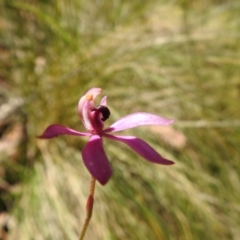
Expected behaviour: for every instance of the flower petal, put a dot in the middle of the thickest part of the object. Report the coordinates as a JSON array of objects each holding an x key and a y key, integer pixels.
[
  {"x": 141, "y": 147},
  {"x": 54, "y": 130},
  {"x": 104, "y": 101},
  {"x": 137, "y": 119},
  {"x": 95, "y": 159},
  {"x": 87, "y": 115}
]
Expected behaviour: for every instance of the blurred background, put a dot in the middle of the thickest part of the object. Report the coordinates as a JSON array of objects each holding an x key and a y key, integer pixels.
[{"x": 178, "y": 59}]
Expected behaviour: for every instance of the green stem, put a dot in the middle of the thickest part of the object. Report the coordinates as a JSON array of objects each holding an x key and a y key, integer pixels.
[{"x": 89, "y": 208}]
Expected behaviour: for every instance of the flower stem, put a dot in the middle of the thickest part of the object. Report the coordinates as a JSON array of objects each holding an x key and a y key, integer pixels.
[{"x": 89, "y": 208}]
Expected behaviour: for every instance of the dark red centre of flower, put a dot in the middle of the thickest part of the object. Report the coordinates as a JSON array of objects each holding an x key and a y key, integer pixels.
[{"x": 103, "y": 110}]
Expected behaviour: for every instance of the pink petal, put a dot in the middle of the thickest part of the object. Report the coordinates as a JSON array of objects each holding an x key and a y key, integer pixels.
[
  {"x": 137, "y": 119},
  {"x": 87, "y": 116},
  {"x": 104, "y": 101},
  {"x": 96, "y": 161},
  {"x": 54, "y": 130},
  {"x": 141, "y": 147}
]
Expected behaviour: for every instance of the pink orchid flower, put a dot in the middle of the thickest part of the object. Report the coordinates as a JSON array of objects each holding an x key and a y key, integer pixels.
[{"x": 93, "y": 117}]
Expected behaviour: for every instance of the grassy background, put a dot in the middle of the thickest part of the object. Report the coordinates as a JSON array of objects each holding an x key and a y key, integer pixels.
[{"x": 179, "y": 59}]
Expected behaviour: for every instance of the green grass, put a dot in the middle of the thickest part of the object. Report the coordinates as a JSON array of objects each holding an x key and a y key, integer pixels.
[{"x": 178, "y": 59}]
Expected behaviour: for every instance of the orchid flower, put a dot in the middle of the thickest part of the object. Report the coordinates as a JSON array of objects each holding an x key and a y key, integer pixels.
[{"x": 93, "y": 117}]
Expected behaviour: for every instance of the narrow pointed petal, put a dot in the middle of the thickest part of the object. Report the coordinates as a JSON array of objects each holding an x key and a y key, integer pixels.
[
  {"x": 104, "y": 101},
  {"x": 141, "y": 147},
  {"x": 96, "y": 161},
  {"x": 137, "y": 119},
  {"x": 54, "y": 130}
]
